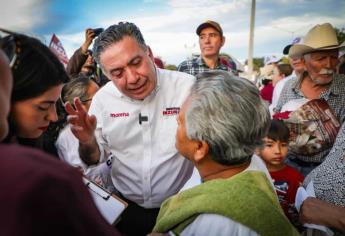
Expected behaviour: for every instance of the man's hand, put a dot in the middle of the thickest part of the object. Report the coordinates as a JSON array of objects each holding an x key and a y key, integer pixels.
[
  {"x": 316, "y": 211},
  {"x": 89, "y": 36},
  {"x": 83, "y": 125}
]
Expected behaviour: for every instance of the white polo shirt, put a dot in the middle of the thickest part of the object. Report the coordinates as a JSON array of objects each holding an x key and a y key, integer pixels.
[{"x": 146, "y": 167}]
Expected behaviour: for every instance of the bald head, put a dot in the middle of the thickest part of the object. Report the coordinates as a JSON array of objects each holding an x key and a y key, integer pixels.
[{"x": 5, "y": 93}]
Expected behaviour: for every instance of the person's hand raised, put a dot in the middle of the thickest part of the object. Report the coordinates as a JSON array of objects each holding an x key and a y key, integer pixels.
[
  {"x": 82, "y": 125},
  {"x": 89, "y": 36}
]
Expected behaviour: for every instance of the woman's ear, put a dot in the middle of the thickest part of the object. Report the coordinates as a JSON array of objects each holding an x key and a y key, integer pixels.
[{"x": 201, "y": 151}]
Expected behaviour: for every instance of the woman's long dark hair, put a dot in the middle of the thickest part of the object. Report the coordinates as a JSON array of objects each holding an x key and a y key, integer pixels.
[{"x": 35, "y": 71}]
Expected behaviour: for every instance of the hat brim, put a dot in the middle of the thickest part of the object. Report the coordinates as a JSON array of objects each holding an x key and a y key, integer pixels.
[
  {"x": 206, "y": 25},
  {"x": 287, "y": 49},
  {"x": 299, "y": 50}
]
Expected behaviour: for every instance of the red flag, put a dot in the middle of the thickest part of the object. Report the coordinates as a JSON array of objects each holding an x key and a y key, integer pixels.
[{"x": 56, "y": 46}]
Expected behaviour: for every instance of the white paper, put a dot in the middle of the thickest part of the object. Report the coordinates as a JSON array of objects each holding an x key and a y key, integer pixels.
[
  {"x": 109, "y": 206},
  {"x": 301, "y": 195}
]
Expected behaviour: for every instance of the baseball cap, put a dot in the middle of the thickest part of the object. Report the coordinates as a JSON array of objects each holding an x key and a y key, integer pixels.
[
  {"x": 271, "y": 59},
  {"x": 294, "y": 41},
  {"x": 209, "y": 23}
]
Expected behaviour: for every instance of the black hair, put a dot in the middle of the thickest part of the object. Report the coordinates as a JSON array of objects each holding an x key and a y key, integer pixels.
[
  {"x": 266, "y": 81},
  {"x": 114, "y": 34},
  {"x": 36, "y": 69},
  {"x": 278, "y": 131}
]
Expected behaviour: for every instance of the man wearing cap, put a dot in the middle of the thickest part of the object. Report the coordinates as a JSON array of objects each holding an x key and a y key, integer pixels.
[
  {"x": 211, "y": 40},
  {"x": 271, "y": 60},
  {"x": 319, "y": 57}
]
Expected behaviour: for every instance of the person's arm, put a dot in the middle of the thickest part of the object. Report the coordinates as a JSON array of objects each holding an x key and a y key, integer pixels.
[
  {"x": 66, "y": 206},
  {"x": 80, "y": 56},
  {"x": 75, "y": 63},
  {"x": 316, "y": 211},
  {"x": 83, "y": 127}
]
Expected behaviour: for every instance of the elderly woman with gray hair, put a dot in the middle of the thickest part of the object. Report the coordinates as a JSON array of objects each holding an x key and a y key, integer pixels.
[
  {"x": 219, "y": 126},
  {"x": 67, "y": 144}
]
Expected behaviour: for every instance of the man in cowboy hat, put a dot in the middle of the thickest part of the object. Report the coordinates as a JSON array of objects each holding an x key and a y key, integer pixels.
[{"x": 319, "y": 57}]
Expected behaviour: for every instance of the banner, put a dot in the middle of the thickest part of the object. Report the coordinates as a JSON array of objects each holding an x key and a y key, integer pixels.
[{"x": 56, "y": 47}]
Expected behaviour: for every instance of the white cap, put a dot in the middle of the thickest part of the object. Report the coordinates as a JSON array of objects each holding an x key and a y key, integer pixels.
[{"x": 271, "y": 59}]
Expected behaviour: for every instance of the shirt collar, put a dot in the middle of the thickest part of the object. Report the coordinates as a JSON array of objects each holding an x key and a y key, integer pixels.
[
  {"x": 201, "y": 62},
  {"x": 334, "y": 88}
]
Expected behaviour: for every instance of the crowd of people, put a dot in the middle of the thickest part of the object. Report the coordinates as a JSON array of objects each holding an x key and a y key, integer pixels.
[{"x": 142, "y": 132}]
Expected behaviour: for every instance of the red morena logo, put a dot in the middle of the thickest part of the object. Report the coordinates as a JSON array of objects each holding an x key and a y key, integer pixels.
[
  {"x": 122, "y": 114},
  {"x": 170, "y": 111}
]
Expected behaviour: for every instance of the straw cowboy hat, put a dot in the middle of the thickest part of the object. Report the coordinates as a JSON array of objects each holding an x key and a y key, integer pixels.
[{"x": 319, "y": 38}]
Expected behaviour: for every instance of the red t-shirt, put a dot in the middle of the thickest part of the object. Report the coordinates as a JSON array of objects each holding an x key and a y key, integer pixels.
[
  {"x": 286, "y": 182},
  {"x": 267, "y": 92}
]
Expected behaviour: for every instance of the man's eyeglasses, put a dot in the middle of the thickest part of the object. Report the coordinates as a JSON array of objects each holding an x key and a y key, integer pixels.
[{"x": 8, "y": 45}]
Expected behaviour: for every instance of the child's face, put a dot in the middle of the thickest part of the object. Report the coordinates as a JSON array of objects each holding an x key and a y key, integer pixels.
[{"x": 274, "y": 152}]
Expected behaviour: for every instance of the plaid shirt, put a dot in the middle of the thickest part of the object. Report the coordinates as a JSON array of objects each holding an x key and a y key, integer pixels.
[
  {"x": 335, "y": 97},
  {"x": 197, "y": 65}
]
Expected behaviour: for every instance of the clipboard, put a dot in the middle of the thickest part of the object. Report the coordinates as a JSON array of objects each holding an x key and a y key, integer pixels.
[{"x": 108, "y": 204}]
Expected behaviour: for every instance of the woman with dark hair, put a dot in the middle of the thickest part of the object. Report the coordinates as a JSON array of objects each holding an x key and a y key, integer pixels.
[{"x": 38, "y": 77}]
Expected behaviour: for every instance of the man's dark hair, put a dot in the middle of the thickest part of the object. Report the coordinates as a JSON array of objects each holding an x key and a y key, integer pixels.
[
  {"x": 114, "y": 34},
  {"x": 278, "y": 131}
]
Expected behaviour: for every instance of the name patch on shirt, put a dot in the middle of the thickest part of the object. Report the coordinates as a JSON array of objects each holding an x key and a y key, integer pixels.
[
  {"x": 122, "y": 114},
  {"x": 171, "y": 111}
]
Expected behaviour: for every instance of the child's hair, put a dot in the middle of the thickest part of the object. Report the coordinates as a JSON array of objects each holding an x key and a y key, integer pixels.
[{"x": 278, "y": 131}]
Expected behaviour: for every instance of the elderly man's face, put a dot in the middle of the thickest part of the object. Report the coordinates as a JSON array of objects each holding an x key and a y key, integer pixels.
[
  {"x": 321, "y": 66},
  {"x": 130, "y": 67},
  {"x": 210, "y": 42},
  {"x": 184, "y": 145}
]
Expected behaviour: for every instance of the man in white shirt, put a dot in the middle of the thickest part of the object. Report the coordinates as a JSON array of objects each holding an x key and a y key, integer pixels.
[{"x": 134, "y": 119}]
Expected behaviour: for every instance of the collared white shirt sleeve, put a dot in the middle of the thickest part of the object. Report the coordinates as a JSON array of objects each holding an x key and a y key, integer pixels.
[
  {"x": 213, "y": 224},
  {"x": 67, "y": 148}
]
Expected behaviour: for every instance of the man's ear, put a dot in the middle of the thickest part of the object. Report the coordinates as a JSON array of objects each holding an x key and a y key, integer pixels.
[
  {"x": 223, "y": 40},
  {"x": 201, "y": 151},
  {"x": 303, "y": 63},
  {"x": 150, "y": 54}
]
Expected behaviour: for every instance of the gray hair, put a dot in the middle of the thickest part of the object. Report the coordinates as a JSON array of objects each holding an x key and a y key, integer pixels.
[
  {"x": 114, "y": 34},
  {"x": 228, "y": 113},
  {"x": 76, "y": 88}
]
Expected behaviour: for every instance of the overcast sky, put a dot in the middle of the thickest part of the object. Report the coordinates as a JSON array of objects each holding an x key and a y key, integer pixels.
[{"x": 169, "y": 26}]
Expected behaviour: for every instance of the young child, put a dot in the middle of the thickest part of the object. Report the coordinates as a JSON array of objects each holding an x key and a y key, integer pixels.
[{"x": 286, "y": 179}]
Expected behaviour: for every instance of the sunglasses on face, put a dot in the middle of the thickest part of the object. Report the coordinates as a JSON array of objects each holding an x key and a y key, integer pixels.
[{"x": 8, "y": 45}]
